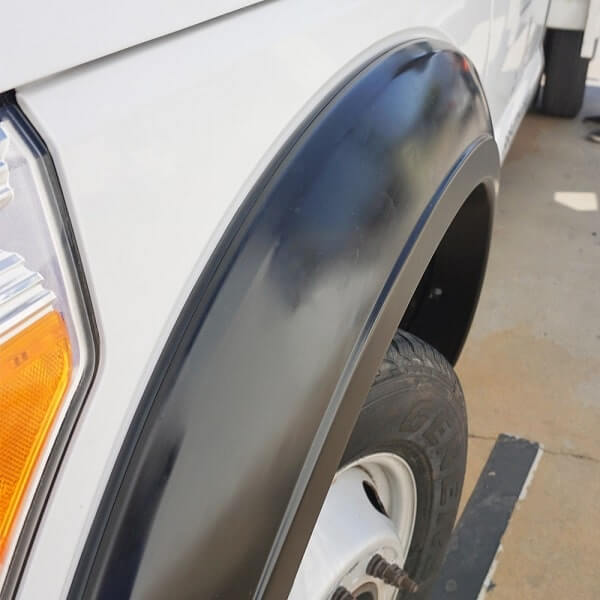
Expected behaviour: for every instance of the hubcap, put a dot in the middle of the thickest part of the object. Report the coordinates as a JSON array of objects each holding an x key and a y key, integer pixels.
[{"x": 370, "y": 509}]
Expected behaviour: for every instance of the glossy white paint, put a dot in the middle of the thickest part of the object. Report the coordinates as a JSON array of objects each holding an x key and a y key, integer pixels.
[
  {"x": 156, "y": 147},
  {"x": 43, "y": 38},
  {"x": 592, "y": 30},
  {"x": 578, "y": 15},
  {"x": 515, "y": 40},
  {"x": 535, "y": 18},
  {"x": 520, "y": 101},
  {"x": 568, "y": 14}
]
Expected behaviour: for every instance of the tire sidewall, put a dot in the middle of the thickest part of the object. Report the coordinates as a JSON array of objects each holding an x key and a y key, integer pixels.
[{"x": 418, "y": 414}]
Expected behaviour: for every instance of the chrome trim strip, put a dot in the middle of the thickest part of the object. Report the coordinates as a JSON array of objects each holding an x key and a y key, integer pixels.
[
  {"x": 9, "y": 259},
  {"x": 17, "y": 285},
  {"x": 22, "y": 295}
]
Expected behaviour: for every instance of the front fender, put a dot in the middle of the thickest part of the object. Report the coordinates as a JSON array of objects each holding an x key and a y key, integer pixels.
[{"x": 245, "y": 418}]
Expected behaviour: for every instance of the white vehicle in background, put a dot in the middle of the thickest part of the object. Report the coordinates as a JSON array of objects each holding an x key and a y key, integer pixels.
[
  {"x": 572, "y": 32},
  {"x": 241, "y": 245}
]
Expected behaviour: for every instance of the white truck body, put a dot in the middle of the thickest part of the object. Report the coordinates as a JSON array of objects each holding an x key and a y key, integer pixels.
[
  {"x": 577, "y": 15},
  {"x": 162, "y": 112}
]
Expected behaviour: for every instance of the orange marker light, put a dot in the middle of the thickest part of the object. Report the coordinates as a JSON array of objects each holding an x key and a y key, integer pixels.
[{"x": 35, "y": 367}]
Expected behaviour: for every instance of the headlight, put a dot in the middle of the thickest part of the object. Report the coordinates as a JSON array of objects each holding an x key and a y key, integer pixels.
[{"x": 46, "y": 346}]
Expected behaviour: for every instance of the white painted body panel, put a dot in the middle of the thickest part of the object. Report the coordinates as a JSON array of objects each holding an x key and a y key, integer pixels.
[
  {"x": 568, "y": 14},
  {"x": 508, "y": 48},
  {"x": 155, "y": 149},
  {"x": 591, "y": 33},
  {"x": 43, "y": 38},
  {"x": 515, "y": 61},
  {"x": 577, "y": 15}
]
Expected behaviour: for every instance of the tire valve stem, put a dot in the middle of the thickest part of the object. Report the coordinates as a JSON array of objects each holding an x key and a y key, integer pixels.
[
  {"x": 391, "y": 574},
  {"x": 341, "y": 593}
]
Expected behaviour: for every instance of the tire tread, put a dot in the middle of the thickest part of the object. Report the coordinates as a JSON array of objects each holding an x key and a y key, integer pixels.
[
  {"x": 416, "y": 408},
  {"x": 407, "y": 349}
]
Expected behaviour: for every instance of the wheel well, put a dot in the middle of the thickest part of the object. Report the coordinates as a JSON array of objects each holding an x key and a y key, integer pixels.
[{"x": 442, "y": 307}]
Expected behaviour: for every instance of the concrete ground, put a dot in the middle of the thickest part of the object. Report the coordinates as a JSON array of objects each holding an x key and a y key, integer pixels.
[{"x": 531, "y": 366}]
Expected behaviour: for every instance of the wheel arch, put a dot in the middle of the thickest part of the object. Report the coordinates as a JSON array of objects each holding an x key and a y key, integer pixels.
[
  {"x": 442, "y": 307},
  {"x": 266, "y": 369},
  {"x": 471, "y": 188}
]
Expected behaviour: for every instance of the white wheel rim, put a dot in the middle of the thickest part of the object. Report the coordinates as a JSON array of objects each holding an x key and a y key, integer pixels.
[{"x": 350, "y": 529}]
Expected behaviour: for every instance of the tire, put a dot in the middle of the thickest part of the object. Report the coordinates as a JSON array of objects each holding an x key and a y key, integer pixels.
[
  {"x": 415, "y": 409},
  {"x": 566, "y": 73}
]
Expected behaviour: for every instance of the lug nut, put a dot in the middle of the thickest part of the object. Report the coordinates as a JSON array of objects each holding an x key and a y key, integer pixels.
[
  {"x": 391, "y": 573},
  {"x": 342, "y": 594}
]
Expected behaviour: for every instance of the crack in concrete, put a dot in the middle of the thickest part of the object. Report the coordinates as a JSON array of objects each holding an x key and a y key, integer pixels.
[
  {"x": 572, "y": 455},
  {"x": 547, "y": 450},
  {"x": 489, "y": 438}
]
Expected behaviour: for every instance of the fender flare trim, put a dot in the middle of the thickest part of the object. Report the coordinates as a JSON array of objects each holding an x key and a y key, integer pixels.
[
  {"x": 294, "y": 534},
  {"x": 329, "y": 245}
]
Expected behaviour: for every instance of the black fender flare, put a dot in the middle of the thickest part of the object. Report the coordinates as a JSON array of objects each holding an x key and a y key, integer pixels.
[{"x": 243, "y": 423}]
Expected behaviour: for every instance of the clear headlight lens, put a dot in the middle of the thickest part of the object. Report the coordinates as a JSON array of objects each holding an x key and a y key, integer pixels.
[{"x": 46, "y": 349}]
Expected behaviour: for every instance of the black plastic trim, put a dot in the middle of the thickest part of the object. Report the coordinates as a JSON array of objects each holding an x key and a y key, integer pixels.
[{"x": 236, "y": 438}]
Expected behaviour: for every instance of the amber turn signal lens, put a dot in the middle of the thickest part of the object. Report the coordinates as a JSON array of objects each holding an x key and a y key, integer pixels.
[{"x": 35, "y": 366}]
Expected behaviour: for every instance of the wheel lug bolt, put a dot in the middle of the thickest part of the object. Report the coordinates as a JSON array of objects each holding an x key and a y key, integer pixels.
[
  {"x": 391, "y": 574},
  {"x": 342, "y": 594}
]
